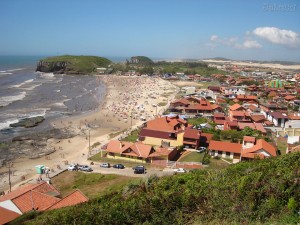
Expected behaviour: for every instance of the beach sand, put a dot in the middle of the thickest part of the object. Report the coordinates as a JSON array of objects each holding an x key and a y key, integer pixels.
[{"x": 125, "y": 96}]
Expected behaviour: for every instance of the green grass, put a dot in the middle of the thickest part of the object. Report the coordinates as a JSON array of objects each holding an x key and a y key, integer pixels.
[
  {"x": 112, "y": 135},
  {"x": 197, "y": 121},
  {"x": 78, "y": 64},
  {"x": 207, "y": 84},
  {"x": 133, "y": 136},
  {"x": 258, "y": 192},
  {"x": 162, "y": 104},
  {"x": 282, "y": 147},
  {"x": 91, "y": 184},
  {"x": 217, "y": 164},
  {"x": 97, "y": 157},
  {"x": 192, "y": 157}
]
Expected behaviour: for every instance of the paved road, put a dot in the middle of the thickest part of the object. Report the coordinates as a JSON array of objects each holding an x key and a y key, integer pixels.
[{"x": 128, "y": 171}]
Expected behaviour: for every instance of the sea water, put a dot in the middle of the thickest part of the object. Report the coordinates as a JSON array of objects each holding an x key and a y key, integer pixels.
[{"x": 25, "y": 93}]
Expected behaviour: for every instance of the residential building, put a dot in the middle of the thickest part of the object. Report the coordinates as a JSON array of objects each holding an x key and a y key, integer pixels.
[
  {"x": 250, "y": 149},
  {"x": 40, "y": 197}
]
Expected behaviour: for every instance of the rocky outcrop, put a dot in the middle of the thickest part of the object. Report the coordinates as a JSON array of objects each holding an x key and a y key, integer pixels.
[
  {"x": 29, "y": 122},
  {"x": 52, "y": 67},
  {"x": 70, "y": 64}
]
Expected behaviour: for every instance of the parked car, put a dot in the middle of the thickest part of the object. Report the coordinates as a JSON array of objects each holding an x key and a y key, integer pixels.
[
  {"x": 139, "y": 169},
  {"x": 72, "y": 167},
  {"x": 201, "y": 149},
  {"x": 86, "y": 168},
  {"x": 119, "y": 166},
  {"x": 180, "y": 170},
  {"x": 105, "y": 165}
]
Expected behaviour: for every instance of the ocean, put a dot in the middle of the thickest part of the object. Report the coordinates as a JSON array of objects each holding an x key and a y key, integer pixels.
[{"x": 25, "y": 93}]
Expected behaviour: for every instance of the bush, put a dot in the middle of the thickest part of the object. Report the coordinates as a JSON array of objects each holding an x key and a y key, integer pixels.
[{"x": 206, "y": 159}]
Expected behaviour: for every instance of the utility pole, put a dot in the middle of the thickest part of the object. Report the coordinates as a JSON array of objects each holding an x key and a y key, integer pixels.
[
  {"x": 89, "y": 142},
  {"x": 9, "y": 181},
  {"x": 131, "y": 121}
]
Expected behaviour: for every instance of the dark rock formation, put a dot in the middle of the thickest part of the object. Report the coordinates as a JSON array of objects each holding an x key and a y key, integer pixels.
[
  {"x": 52, "y": 67},
  {"x": 29, "y": 122}
]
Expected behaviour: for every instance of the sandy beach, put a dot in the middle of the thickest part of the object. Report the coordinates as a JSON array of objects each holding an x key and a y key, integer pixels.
[{"x": 128, "y": 103}]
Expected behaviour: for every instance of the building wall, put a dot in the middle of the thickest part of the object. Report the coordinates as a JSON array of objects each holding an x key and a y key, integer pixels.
[
  {"x": 223, "y": 155},
  {"x": 8, "y": 204},
  {"x": 126, "y": 158},
  {"x": 157, "y": 141}
]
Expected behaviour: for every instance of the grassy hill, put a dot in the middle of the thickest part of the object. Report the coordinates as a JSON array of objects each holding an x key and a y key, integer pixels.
[
  {"x": 70, "y": 64},
  {"x": 260, "y": 192}
]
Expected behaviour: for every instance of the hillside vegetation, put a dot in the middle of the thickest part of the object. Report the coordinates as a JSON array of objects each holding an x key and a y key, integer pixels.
[
  {"x": 260, "y": 192},
  {"x": 72, "y": 64}
]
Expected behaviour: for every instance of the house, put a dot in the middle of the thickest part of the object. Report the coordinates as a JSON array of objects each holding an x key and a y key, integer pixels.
[
  {"x": 246, "y": 98},
  {"x": 278, "y": 118},
  {"x": 225, "y": 150},
  {"x": 164, "y": 131},
  {"x": 194, "y": 138},
  {"x": 219, "y": 118},
  {"x": 249, "y": 150},
  {"x": 238, "y": 113},
  {"x": 137, "y": 152},
  {"x": 41, "y": 197},
  {"x": 253, "y": 148}
]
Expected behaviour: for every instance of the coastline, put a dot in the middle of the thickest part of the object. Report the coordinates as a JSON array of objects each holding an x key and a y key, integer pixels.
[{"x": 125, "y": 96}]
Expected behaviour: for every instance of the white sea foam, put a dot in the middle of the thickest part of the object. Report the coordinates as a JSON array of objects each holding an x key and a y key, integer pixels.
[
  {"x": 5, "y": 124},
  {"x": 21, "y": 84},
  {"x": 47, "y": 75},
  {"x": 12, "y": 70},
  {"x": 6, "y": 100},
  {"x": 60, "y": 104},
  {"x": 31, "y": 87},
  {"x": 4, "y": 73}
]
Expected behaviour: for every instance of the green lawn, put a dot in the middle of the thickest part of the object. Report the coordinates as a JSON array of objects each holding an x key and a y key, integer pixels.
[
  {"x": 217, "y": 164},
  {"x": 282, "y": 147},
  {"x": 193, "y": 157},
  {"x": 91, "y": 184},
  {"x": 133, "y": 136}
]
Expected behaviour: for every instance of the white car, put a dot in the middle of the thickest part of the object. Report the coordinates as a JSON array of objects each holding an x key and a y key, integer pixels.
[
  {"x": 180, "y": 170},
  {"x": 201, "y": 149},
  {"x": 71, "y": 167}
]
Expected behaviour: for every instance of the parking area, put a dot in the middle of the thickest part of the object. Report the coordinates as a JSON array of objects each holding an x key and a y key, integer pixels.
[{"x": 128, "y": 171}]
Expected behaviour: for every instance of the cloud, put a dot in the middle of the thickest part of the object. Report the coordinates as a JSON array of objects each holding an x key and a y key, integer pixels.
[
  {"x": 214, "y": 38},
  {"x": 247, "y": 44},
  {"x": 274, "y": 35},
  {"x": 233, "y": 42}
]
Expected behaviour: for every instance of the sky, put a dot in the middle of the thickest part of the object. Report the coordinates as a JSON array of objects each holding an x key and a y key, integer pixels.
[{"x": 159, "y": 29}]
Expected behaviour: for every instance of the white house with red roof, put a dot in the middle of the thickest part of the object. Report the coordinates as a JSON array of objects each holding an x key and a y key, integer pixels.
[{"x": 250, "y": 149}]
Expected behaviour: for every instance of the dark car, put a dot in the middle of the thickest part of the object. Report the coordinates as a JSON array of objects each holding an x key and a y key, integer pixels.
[
  {"x": 139, "y": 169},
  {"x": 119, "y": 166}
]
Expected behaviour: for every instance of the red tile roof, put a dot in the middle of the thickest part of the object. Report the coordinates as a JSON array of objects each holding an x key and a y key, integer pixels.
[
  {"x": 128, "y": 148},
  {"x": 258, "y": 118},
  {"x": 192, "y": 133},
  {"x": 225, "y": 146},
  {"x": 7, "y": 215},
  {"x": 34, "y": 200},
  {"x": 166, "y": 124},
  {"x": 74, "y": 198},
  {"x": 249, "y": 139},
  {"x": 43, "y": 187},
  {"x": 235, "y": 107},
  {"x": 246, "y": 97},
  {"x": 261, "y": 145}
]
